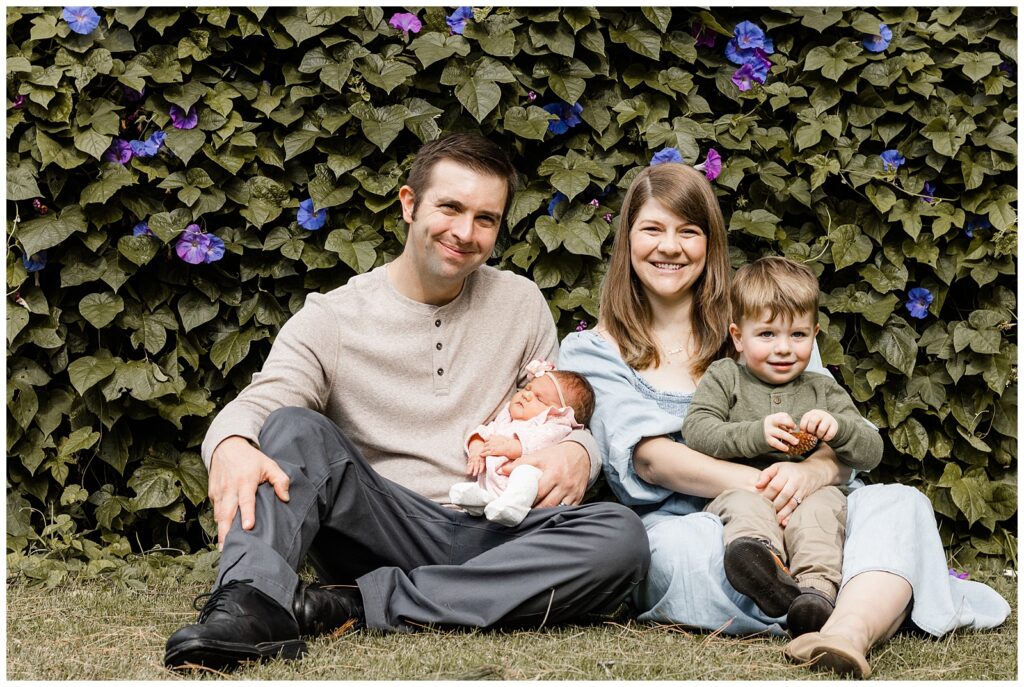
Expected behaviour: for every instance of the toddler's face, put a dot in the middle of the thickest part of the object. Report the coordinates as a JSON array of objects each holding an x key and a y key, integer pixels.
[
  {"x": 533, "y": 399},
  {"x": 775, "y": 350}
]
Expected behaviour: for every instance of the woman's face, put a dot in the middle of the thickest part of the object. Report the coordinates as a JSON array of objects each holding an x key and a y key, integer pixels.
[{"x": 667, "y": 252}]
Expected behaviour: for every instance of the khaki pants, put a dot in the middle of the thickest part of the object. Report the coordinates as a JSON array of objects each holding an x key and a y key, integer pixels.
[{"x": 812, "y": 543}]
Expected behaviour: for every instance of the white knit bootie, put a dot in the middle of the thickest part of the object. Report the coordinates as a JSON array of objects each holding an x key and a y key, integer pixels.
[
  {"x": 512, "y": 506},
  {"x": 470, "y": 497}
]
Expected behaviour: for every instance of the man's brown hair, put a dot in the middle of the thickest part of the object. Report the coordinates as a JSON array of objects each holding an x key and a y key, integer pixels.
[
  {"x": 779, "y": 285},
  {"x": 469, "y": 150}
]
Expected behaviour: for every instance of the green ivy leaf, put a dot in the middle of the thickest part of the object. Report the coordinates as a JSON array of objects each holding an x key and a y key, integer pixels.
[
  {"x": 849, "y": 246},
  {"x": 138, "y": 249},
  {"x": 755, "y": 223},
  {"x": 185, "y": 142},
  {"x": 88, "y": 371},
  {"x": 381, "y": 125},
  {"x": 51, "y": 229},
  {"x": 530, "y": 122},
  {"x": 911, "y": 438},
  {"x": 100, "y": 309},
  {"x": 114, "y": 178},
  {"x": 232, "y": 348}
]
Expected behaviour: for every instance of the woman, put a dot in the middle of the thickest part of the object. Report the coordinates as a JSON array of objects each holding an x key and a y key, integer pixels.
[{"x": 664, "y": 318}]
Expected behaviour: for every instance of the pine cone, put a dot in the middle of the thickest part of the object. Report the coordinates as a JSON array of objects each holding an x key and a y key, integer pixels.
[{"x": 807, "y": 442}]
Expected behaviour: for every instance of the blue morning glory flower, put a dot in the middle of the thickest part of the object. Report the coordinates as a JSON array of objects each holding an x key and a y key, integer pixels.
[
  {"x": 666, "y": 155},
  {"x": 150, "y": 147},
  {"x": 918, "y": 301},
  {"x": 119, "y": 151},
  {"x": 891, "y": 160},
  {"x": 556, "y": 200},
  {"x": 879, "y": 42},
  {"x": 748, "y": 35},
  {"x": 975, "y": 222},
  {"x": 927, "y": 193},
  {"x": 34, "y": 263},
  {"x": 308, "y": 219},
  {"x": 83, "y": 20},
  {"x": 568, "y": 116},
  {"x": 457, "y": 20},
  {"x": 214, "y": 249},
  {"x": 141, "y": 229}
]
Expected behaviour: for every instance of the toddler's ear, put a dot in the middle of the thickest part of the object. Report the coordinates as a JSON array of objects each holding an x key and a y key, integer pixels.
[{"x": 734, "y": 332}]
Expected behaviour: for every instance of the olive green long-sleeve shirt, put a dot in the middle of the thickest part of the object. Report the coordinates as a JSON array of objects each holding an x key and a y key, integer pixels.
[{"x": 726, "y": 418}]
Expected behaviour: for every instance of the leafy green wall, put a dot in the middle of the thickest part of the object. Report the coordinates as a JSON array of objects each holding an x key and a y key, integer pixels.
[{"x": 120, "y": 351}]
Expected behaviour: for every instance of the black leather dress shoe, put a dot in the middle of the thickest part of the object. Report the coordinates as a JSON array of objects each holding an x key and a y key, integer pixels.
[
  {"x": 755, "y": 569},
  {"x": 237, "y": 623},
  {"x": 320, "y": 609}
]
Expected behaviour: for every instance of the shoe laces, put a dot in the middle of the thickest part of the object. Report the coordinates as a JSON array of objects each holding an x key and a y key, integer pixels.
[{"x": 214, "y": 598}]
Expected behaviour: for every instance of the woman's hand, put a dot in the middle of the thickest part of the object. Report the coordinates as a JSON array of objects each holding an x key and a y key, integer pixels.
[{"x": 787, "y": 484}]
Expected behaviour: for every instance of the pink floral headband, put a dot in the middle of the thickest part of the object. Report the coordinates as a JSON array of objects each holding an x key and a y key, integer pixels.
[{"x": 540, "y": 368}]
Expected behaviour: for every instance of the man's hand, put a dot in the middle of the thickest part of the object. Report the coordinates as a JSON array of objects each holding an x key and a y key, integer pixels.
[
  {"x": 565, "y": 469},
  {"x": 237, "y": 468},
  {"x": 819, "y": 423},
  {"x": 498, "y": 445},
  {"x": 777, "y": 430}
]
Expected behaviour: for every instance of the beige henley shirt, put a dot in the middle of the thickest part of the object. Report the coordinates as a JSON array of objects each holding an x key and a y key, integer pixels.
[{"x": 405, "y": 380}]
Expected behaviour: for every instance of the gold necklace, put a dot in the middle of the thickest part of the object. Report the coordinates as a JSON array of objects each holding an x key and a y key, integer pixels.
[{"x": 674, "y": 351}]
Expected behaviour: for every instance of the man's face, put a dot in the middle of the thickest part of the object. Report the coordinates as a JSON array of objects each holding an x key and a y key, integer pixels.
[{"x": 455, "y": 223}]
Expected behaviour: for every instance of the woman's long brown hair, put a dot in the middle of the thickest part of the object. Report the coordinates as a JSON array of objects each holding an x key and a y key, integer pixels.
[{"x": 625, "y": 311}]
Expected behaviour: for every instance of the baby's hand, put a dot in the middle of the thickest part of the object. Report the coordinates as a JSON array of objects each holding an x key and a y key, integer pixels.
[
  {"x": 475, "y": 464},
  {"x": 777, "y": 429},
  {"x": 820, "y": 424},
  {"x": 498, "y": 445}
]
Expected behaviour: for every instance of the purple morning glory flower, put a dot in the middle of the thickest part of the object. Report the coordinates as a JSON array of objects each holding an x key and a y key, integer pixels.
[
  {"x": 308, "y": 219},
  {"x": 891, "y": 160},
  {"x": 214, "y": 248},
  {"x": 975, "y": 222},
  {"x": 581, "y": 326},
  {"x": 119, "y": 151},
  {"x": 958, "y": 575},
  {"x": 457, "y": 20},
  {"x": 555, "y": 201},
  {"x": 83, "y": 20},
  {"x": 666, "y": 155},
  {"x": 595, "y": 202},
  {"x": 744, "y": 78},
  {"x": 705, "y": 38},
  {"x": 608, "y": 217},
  {"x": 34, "y": 263},
  {"x": 927, "y": 191},
  {"x": 748, "y": 35},
  {"x": 712, "y": 165},
  {"x": 531, "y": 96},
  {"x": 918, "y": 301},
  {"x": 141, "y": 229},
  {"x": 184, "y": 120},
  {"x": 405, "y": 22},
  {"x": 192, "y": 245},
  {"x": 880, "y": 41},
  {"x": 19, "y": 102},
  {"x": 568, "y": 116},
  {"x": 131, "y": 95}
]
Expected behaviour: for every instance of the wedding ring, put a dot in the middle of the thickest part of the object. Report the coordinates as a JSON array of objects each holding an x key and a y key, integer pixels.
[
  {"x": 797, "y": 499},
  {"x": 563, "y": 503}
]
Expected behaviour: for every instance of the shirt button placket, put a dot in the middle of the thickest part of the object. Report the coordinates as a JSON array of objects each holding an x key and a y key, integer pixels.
[{"x": 440, "y": 364}]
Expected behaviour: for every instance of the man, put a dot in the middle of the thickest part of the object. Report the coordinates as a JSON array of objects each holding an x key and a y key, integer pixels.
[{"x": 345, "y": 444}]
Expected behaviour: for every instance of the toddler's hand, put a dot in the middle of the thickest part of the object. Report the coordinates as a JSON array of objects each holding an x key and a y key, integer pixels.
[
  {"x": 820, "y": 424},
  {"x": 777, "y": 429}
]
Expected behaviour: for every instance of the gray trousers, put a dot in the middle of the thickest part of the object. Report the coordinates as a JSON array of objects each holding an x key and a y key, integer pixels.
[{"x": 416, "y": 562}]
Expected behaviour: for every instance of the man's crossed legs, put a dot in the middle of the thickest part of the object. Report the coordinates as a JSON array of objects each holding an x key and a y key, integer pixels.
[{"x": 415, "y": 562}]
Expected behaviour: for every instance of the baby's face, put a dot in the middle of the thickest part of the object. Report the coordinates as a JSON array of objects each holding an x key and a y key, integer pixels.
[{"x": 532, "y": 400}]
